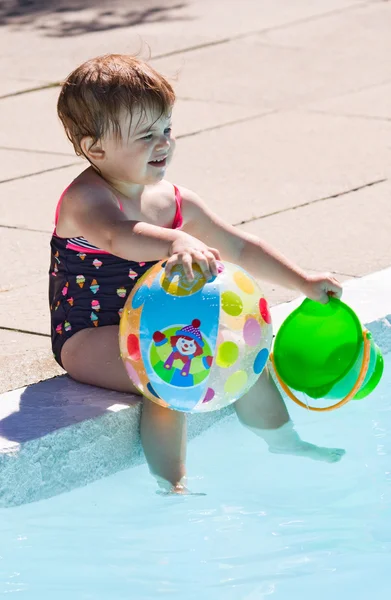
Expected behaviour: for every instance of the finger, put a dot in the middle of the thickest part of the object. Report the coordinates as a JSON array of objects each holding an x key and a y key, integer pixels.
[
  {"x": 323, "y": 298},
  {"x": 339, "y": 291},
  {"x": 202, "y": 261},
  {"x": 187, "y": 264},
  {"x": 334, "y": 289},
  {"x": 170, "y": 264},
  {"x": 212, "y": 263},
  {"x": 215, "y": 253}
]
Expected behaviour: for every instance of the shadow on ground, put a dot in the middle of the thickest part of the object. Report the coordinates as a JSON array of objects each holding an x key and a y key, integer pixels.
[
  {"x": 50, "y": 405},
  {"x": 64, "y": 18}
]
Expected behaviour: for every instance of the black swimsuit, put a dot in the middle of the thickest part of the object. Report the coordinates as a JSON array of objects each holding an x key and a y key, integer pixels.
[{"x": 88, "y": 286}]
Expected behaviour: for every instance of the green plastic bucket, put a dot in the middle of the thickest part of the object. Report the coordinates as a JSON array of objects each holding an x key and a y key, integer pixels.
[{"x": 319, "y": 350}]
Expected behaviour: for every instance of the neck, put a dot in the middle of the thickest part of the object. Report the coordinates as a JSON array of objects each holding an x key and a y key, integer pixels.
[{"x": 126, "y": 189}]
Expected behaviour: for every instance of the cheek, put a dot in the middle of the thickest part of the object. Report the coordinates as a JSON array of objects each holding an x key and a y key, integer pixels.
[
  {"x": 136, "y": 153},
  {"x": 134, "y": 161}
]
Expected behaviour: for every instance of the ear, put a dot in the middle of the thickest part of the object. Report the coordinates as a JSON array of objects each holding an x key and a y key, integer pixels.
[{"x": 92, "y": 150}]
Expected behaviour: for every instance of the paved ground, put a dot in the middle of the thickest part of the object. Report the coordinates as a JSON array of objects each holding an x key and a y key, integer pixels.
[{"x": 283, "y": 120}]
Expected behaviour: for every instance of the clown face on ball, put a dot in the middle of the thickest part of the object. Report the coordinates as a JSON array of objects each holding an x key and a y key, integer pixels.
[{"x": 195, "y": 346}]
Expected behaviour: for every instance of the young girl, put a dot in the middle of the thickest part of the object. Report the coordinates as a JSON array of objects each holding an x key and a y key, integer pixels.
[{"x": 118, "y": 218}]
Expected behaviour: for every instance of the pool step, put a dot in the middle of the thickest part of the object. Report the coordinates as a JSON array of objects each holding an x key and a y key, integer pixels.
[{"x": 57, "y": 435}]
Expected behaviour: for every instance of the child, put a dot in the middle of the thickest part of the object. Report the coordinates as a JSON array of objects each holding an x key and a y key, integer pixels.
[{"x": 119, "y": 217}]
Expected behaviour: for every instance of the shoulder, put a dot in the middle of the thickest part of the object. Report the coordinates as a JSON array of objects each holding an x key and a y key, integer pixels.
[
  {"x": 195, "y": 210},
  {"x": 163, "y": 193},
  {"x": 159, "y": 204},
  {"x": 188, "y": 195},
  {"x": 192, "y": 205},
  {"x": 88, "y": 187},
  {"x": 83, "y": 196},
  {"x": 198, "y": 218}
]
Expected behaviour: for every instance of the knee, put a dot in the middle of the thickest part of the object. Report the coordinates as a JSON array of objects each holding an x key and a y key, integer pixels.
[{"x": 156, "y": 412}]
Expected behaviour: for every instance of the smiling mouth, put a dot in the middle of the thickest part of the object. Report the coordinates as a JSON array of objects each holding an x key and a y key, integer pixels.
[{"x": 158, "y": 163}]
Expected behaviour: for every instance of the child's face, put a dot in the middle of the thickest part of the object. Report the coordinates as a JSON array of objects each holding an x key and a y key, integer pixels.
[{"x": 143, "y": 153}]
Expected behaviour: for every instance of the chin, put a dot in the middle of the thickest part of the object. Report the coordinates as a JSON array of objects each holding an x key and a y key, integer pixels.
[{"x": 156, "y": 178}]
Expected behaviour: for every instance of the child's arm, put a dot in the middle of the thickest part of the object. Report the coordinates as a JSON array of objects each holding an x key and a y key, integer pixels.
[
  {"x": 255, "y": 255},
  {"x": 93, "y": 212}
]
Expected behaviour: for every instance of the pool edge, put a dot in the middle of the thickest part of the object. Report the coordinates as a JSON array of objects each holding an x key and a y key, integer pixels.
[{"x": 96, "y": 446}]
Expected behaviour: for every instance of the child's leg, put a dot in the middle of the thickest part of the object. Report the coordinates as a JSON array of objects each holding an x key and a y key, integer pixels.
[
  {"x": 263, "y": 411},
  {"x": 92, "y": 356},
  {"x": 163, "y": 435}
]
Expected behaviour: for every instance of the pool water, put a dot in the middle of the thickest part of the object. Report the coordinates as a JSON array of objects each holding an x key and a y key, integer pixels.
[{"x": 269, "y": 525}]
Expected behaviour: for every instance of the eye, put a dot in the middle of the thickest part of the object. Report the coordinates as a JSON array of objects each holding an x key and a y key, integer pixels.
[
  {"x": 167, "y": 131},
  {"x": 147, "y": 137}
]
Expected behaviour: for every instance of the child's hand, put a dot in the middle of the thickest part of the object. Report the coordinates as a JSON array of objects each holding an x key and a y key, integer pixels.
[
  {"x": 319, "y": 287},
  {"x": 186, "y": 250}
]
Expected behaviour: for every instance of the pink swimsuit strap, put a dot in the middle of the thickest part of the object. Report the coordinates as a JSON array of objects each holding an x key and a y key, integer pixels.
[{"x": 178, "y": 219}]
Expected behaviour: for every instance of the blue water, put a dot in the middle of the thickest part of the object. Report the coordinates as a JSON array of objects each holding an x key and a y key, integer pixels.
[{"x": 269, "y": 526}]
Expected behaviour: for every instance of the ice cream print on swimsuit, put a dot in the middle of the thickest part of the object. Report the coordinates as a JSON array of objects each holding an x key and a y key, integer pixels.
[{"x": 180, "y": 355}]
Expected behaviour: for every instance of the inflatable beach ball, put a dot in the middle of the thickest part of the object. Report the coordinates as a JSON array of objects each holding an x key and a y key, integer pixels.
[{"x": 195, "y": 346}]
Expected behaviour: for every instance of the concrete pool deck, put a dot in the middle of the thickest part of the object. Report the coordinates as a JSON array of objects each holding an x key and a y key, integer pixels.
[
  {"x": 283, "y": 121},
  {"x": 58, "y": 435}
]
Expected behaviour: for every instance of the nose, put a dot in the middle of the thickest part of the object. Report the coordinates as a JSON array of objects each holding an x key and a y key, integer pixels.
[{"x": 163, "y": 143}]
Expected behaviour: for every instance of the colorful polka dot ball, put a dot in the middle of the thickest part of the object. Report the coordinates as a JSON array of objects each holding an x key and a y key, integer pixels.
[{"x": 195, "y": 346}]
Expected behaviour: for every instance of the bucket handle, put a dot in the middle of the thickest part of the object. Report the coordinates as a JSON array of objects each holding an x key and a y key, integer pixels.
[{"x": 350, "y": 395}]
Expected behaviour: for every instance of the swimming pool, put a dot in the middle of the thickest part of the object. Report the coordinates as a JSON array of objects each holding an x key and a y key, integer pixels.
[{"x": 268, "y": 525}]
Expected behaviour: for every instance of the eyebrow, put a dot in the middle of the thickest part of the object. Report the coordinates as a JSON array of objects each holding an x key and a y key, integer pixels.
[
  {"x": 145, "y": 130},
  {"x": 150, "y": 127}
]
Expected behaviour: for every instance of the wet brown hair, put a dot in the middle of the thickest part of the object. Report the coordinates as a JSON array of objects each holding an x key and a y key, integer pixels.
[{"x": 95, "y": 93}]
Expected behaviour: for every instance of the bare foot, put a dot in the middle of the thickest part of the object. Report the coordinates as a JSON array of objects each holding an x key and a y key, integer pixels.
[
  {"x": 168, "y": 489},
  {"x": 180, "y": 490},
  {"x": 312, "y": 451}
]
